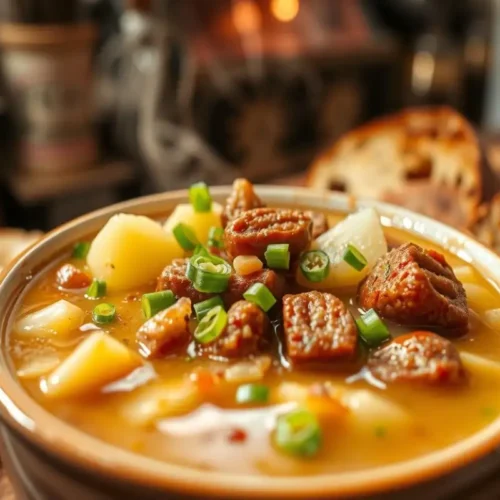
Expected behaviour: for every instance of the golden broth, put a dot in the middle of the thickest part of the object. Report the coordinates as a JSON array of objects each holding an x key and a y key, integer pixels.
[{"x": 210, "y": 436}]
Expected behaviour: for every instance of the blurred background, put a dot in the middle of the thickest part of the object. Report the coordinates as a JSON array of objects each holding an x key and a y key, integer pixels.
[{"x": 103, "y": 100}]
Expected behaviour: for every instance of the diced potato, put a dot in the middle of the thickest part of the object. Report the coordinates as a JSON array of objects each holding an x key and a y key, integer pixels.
[
  {"x": 130, "y": 251},
  {"x": 200, "y": 222},
  {"x": 492, "y": 318},
  {"x": 465, "y": 273},
  {"x": 161, "y": 400},
  {"x": 364, "y": 231},
  {"x": 248, "y": 371},
  {"x": 480, "y": 365},
  {"x": 99, "y": 360},
  {"x": 37, "y": 365},
  {"x": 370, "y": 411},
  {"x": 60, "y": 319},
  {"x": 480, "y": 298}
]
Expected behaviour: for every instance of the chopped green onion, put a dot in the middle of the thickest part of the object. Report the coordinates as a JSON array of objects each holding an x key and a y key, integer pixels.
[
  {"x": 298, "y": 433},
  {"x": 202, "y": 308},
  {"x": 211, "y": 326},
  {"x": 201, "y": 250},
  {"x": 104, "y": 313},
  {"x": 278, "y": 256},
  {"x": 252, "y": 393},
  {"x": 215, "y": 237},
  {"x": 153, "y": 303},
  {"x": 261, "y": 295},
  {"x": 354, "y": 258},
  {"x": 81, "y": 249},
  {"x": 315, "y": 265},
  {"x": 96, "y": 290},
  {"x": 200, "y": 198},
  {"x": 209, "y": 274},
  {"x": 185, "y": 236},
  {"x": 372, "y": 329}
]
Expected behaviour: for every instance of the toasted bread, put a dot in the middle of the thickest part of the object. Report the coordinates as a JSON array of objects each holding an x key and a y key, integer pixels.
[{"x": 426, "y": 159}]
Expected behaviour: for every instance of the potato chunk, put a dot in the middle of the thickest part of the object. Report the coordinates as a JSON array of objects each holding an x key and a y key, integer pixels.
[
  {"x": 131, "y": 250},
  {"x": 60, "y": 319},
  {"x": 364, "y": 231},
  {"x": 97, "y": 361},
  {"x": 200, "y": 222}
]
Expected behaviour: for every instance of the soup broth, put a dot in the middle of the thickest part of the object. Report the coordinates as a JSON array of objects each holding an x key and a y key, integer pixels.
[{"x": 183, "y": 408}]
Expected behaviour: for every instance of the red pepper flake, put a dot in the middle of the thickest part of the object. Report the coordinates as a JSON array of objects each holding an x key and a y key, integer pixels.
[{"x": 237, "y": 436}]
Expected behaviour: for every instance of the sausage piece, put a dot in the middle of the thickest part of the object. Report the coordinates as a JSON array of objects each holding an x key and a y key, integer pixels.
[
  {"x": 319, "y": 223},
  {"x": 413, "y": 286},
  {"x": 165, "y": 330},
  {"x": 418, "y": 357},
  {"x": 70, "y": 277},
  {"x": 254, "y": 230},
  {"x": 174, "y": 278},
  {"x": 318, "y": 327},
  {"x": 246, "y": 326},
  {"x": 242, "y": 198}
]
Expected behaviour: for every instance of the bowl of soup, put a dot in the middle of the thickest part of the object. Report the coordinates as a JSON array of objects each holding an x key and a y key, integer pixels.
[{"x": 251, "y": 342}]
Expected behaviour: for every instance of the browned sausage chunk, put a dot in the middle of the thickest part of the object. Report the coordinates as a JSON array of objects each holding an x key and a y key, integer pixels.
[
  {"x": 165, "y": 330},
  {"x": 418, "y": 357},
  {"x": 238, "y": 285},
  {"x": 70, "y": 277},
  {"x": 319, "y": 221},
  {"x": 413, "y": 286},
  {"x": 254, "y": 230},
  {"x": 246, "y": 326},
  {"x": 174, "y": 278},
  {"x": 242, "y": 198},
  {"x": 318, "y": 327}
]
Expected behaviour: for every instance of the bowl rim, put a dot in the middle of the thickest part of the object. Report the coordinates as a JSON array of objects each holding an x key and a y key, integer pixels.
[{"x": 71, "y": 445}]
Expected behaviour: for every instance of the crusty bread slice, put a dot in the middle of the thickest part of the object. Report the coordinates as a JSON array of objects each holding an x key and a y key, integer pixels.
[
  {"x": 487, "y": 227},
  {"x": 426, "y": 159}
]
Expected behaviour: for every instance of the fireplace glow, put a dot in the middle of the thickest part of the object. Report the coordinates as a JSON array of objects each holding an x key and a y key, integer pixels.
[
  {"x": 246, "y": 16},
  {"x": 285, "y": 10}
]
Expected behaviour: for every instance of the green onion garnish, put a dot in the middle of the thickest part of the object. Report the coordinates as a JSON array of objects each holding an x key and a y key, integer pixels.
[
  {"x": 211, "y": 326},
  {"x": 315, "y": 265},
  {"x": 185, "y": 236},
  {"x": 201, "y": 250},
  {"x": 209, "y": 274},
  {"x": 104, "y": 313},
  {"x": 81, "y": 249},
  {"x": 372, "y": 329},
  {"x": 252, "y": 393},
  {"x": 202, "y": 308},
  {"x": 215, "y": 237},
  {"x": 96, "y": 290},
  {"x": 278, "y": 256},
  {"x": 200, "y": 198},
  {"x": 298, "y": 433},
  {"x": 354, "y": 258},
  {"x": 261, "y": 295},
  {"x": 153, "y": 303}
]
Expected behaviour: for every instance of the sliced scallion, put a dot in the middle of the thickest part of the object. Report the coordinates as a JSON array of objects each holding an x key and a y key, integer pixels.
[
  {"x": 96, "y": 290},
  {"x": 154, "y": 302},
  {"x": 298, "y": 433},
  {"x": 200, "y": 198},
  {"x": 81, "y": 249},
  {"x": 185, "y": 236},
  {"x": 315, "y": 265},
  {"x": 215, "y": 237},
  {"x": 252, "y": 393},
  {"x": 201, "y": 250},
  {"x": 211, "y": 326},
  {"x": 354, "y": 258},
  {"x": 202, "y": 308},
  {"x": 372, "y": 329},
  {"x": 278, "y": 256},
  {"x": 104, "y": 313},
  {"x": 261, "y": 295},
  {"x": 209, "y": 274}
]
